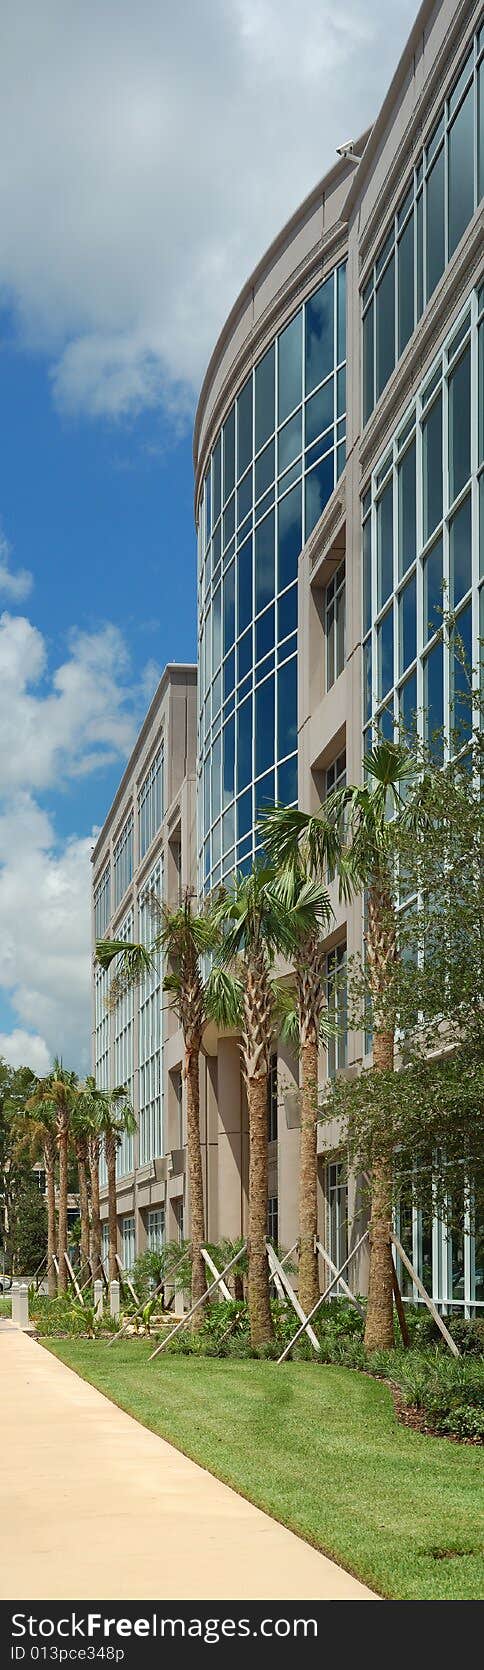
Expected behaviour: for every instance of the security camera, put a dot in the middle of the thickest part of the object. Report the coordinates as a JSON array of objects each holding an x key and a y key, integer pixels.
[{"x": 348, "y": 150}]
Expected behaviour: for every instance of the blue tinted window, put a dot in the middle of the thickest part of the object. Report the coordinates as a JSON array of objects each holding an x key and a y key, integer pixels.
[
  {"x": 264, "y": 562},
  {"x": 287, "y": 613},
  {"x": 384, "y": 531},
  {"x": 368, "y": 370},
  {"x": 385, "y": 327},
  {"x": 287, "y": 781},
  {"x": 385, "y": 655},
  {"x": 432, "y": 468},
  {"x": 289, "y": 537},
  {"x": 405, "y": 286},
  {"x": 461, "y": 699},
  {"x": 408, "y": 704},
  {"x": 433, "y": 594},
  {"x": 434, "y": 698},
  {"x": 244, "y": 745},
  {"x": 287, "y": 708},
  {"x": 319, "y": 412},
  {"x": 290, "y": 367},
  {"x": 244, "y": 427},
  {"x": 244, "y": 585},
  {"x": 407, "y": 510},
  {"x": 244, "y": 814},
  {"x": 341, "y": 314},
  {"x": 264, "y": 726},
  {"x": 265, "y": 469},
  {"x": 367, "y": 574},
  {"x": 217, "y": 479},
  {"x": 229, "y": 607},
  {"x": 264, "y": 398},
  {"x": 229, "y": 453},
  {"x": 289, "y": 442},
  {"x": 264, "y": 633},
  {"x": 228, "y": 760},
  {"x": 460, "y": 425},
  {"x": 460, "y": 547},
  {"x": 461, "y": 170},
  {"x": 320, "y": 335},
  {"x": 367, "y": 680},
  {"x": 244, "y": 655},
  {"x": 407, "y": 621},
  {"x": 435, "y": 224},
  {"x": 318, "y": 489}
]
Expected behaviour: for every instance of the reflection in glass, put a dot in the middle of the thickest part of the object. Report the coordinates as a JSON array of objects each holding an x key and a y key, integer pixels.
[
  {"x": 244, "y": 585},
  {"x": 433, "y": 699},
  {"x": 385, "y": 326},
  {"x": 290, "y": 367},
  {"x": 244, "y": 428},
  {"x": 287, "y": 781},
  {"x": 318, "y": 489},
  {"x": 264, "y": 726},
  {"x": 289, "y": 442},
  {"x": 384, "y": 543},
  {"x": 405, "y": 286},
  {"x": 287, "y": 707},
  {"x": 264, "y": 398},
  {"x": 265, "y": 469},
  {"x": 264, "y": 562},
  {"x": 461, "y": 170},
  {"x": 433, "y": 590},
  {"x": 460, "y": 550},
  {"x": 289, "y": 537},
  {"x": 460, "y": 425},
  {"x": 408, "y": 704},
  {"x": 229, "y": 454},
  {"x": 385, "y": 654},
  {"x": 319, "y": 412},
  {"x": 244, "y": 744},
  {"x": 264, "y": 633},
  {"x": 435, "y": 223},
  {"x": 432, "y": 468},
  {"x": 287, "y": 613},
  {"x": 407, "y": 623},
  {"x": 319, "y": 335}
]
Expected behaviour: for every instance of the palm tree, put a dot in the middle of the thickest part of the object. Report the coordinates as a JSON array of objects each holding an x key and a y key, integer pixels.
[
  {"x": 36, "y": 1130},
  {"x": 55, "y": 1094},
  {"x": 94, "y": 1155},
  {"x": 357, "y": 833},
  {"x": 183, "y": 937},
  {"x": 306, "y": 950},
  {"x": 112, "y": 1116},
  {"x": 257, "y": 923},
  {"x": 81, "y": 1133}
]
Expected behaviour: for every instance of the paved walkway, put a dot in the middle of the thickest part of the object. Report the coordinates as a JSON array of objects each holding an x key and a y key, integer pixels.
[{"x": 95, "y": 1507}]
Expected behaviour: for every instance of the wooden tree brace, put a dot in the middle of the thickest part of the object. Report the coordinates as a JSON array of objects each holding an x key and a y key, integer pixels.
[
  {"x": 73, "y": 1278},
  {"x": 184, "y": 1319},
  {"x": 425, "y": 1296},
  {"x": 324, "y": 1296},
  {"x": 343, "y": 1283},
  {"x": 214, "y": 1272},
  {"x": 276, "y": 1266}
]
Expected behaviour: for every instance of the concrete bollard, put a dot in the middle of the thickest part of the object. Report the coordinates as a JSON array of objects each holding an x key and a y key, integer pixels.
[
  {"x": 114, "y": 1298},
  {"x": 98, "y": 1298},
  {"x": 20, "y": 1306}
]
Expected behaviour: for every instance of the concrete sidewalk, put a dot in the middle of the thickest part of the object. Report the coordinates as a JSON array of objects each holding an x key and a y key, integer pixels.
[{"x": 95, "y": 1507}]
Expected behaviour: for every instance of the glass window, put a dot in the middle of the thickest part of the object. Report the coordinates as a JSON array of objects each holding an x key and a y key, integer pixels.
[
  {"x": 290, "y": 368},
  {"x": 287, "y": 614},
  {"x": 460, "y": 547},
  {"x": 287, "y": 782},
  {"x": 460, "y": 424},
  {"x": 461, "y": 676},
  {"x": 264, "y": 398},
  {"x": 244, "y": 745},
  {"x": 385, "y": 654},
  {"x": 244, "y": 585},
  {"x": 217, "y": 628},
  {"x": 367, "y": 574},
  {"x": 244, "y": 428},
  {"x": 341, "y": 312},
  {"x": 368, "y": 371},
  {"x": 385, "y": 326},
  {"x": 286, "y": 707},
  {"x": 217, "y": 479},
  {"x": 384, "y": 543},
  {"x": 435, "y": 223},
  {"x": 407, "y": 510},
  {"x": 264, "y": 725},
  {"x": 408, "y": 704},
  {"x": 228, "y": 760},
  {"x": 244, "y": 499},
  {"x": 480, "y": 131},
  {"x": 265, "y": 469},
  {"x": 407, "y": 623},
  {"x": 334, "y": 619},
  {"x": 432, "y": 589},
  {"x": 289, "y": 442},
  {"x": 264, "y": 562},
  {"x": 461, "y": 170},
  {"x": 405, "y": 285},
  {"x": 432, "y": 468},
  {"x": 229, "y": 454},
  {"x": 367, "y": 680},
  {"x": 318, "y": 489},
  {"x": 229, "y": 607},
  {"x": 319, "y": 335},
  {"x": 150, "y": 804},
  {"x": 289, "y": 537},
  {"x": 123, "y": 863},
  {"x": 264, "y": 633},
  {"x": 319, "y": 412},
  {"x": 434, "y": 698},
  {"x": 102, "y": 904}
]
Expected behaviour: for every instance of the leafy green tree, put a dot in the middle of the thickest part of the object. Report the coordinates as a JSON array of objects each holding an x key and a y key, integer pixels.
[
  {"x": 51, "y": 1103},
  {"x": 29, "y": 1227}
]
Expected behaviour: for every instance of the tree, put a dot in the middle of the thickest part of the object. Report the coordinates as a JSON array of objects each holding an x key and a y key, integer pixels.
[
  {"x": 258, "y": 921},
  {"x": 54, "y": 1096},
  {"x": 110, "y": 1115},
  {"x": 82, "y": 1130},
  {"x": 306, "y": 950},
  {"x": 184, "y": 936},
  {"x": 16, "y": 1084},
  {"x": 37, "y": 1134},
  {"x": 357, "y": 833},
  {"x": 29, "y": 1227}
]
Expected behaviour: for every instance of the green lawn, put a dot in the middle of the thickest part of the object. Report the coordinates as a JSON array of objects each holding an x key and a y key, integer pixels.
[
  {"x": 320, "y": 1449},
  {"x": 5, "y": 1306}
]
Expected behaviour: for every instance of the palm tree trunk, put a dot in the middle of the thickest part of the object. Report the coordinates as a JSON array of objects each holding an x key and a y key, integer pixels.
[
  {"x": 95, "y": 1211},
  {"x": 83, "y": 1208},
  {"x": 49, "y": 1162},
  {"x": 195, "y": 1174},
  {"x": 63, "y": 1167},
  {"x": 308, "y": 1287},
  {"x": 112, "y": 1213},
  {"x": 379, "y": 1329},
  {"x": 260, "y": 1317}
]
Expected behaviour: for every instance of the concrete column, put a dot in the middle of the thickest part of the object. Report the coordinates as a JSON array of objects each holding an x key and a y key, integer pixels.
[
  {"x": 114, "y": 1298},
  {"x": 98, "y": 1298},
  {"x": 20, "y": 1306}
]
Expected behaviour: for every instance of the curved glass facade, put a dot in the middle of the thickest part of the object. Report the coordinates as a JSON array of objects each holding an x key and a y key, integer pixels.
[
  {"x": 423, "y": 550},
  {"x": 440, "y": 198},
  {"x": 271, "y": 471}
]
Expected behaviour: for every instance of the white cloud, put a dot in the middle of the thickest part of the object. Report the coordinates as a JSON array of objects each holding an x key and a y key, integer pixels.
[
  {"x": 54, "y": 726},
  {"x": 14, "y": 585},
  {"x": 80, "y": 718},
  {"x": 44, "y": 944},
  {"x": 148, "y": 156},
  {"x": 25, "y": 1049}
]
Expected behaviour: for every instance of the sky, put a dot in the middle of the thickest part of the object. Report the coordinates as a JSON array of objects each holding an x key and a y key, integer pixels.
[{"x": 148, "y": 155}]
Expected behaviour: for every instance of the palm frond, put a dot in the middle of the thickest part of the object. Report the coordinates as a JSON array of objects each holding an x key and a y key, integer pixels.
[{"x": 224, "y": 998}]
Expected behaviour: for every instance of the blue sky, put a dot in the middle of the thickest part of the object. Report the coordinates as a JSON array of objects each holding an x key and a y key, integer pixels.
[{"x": 143, "y": 170}]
